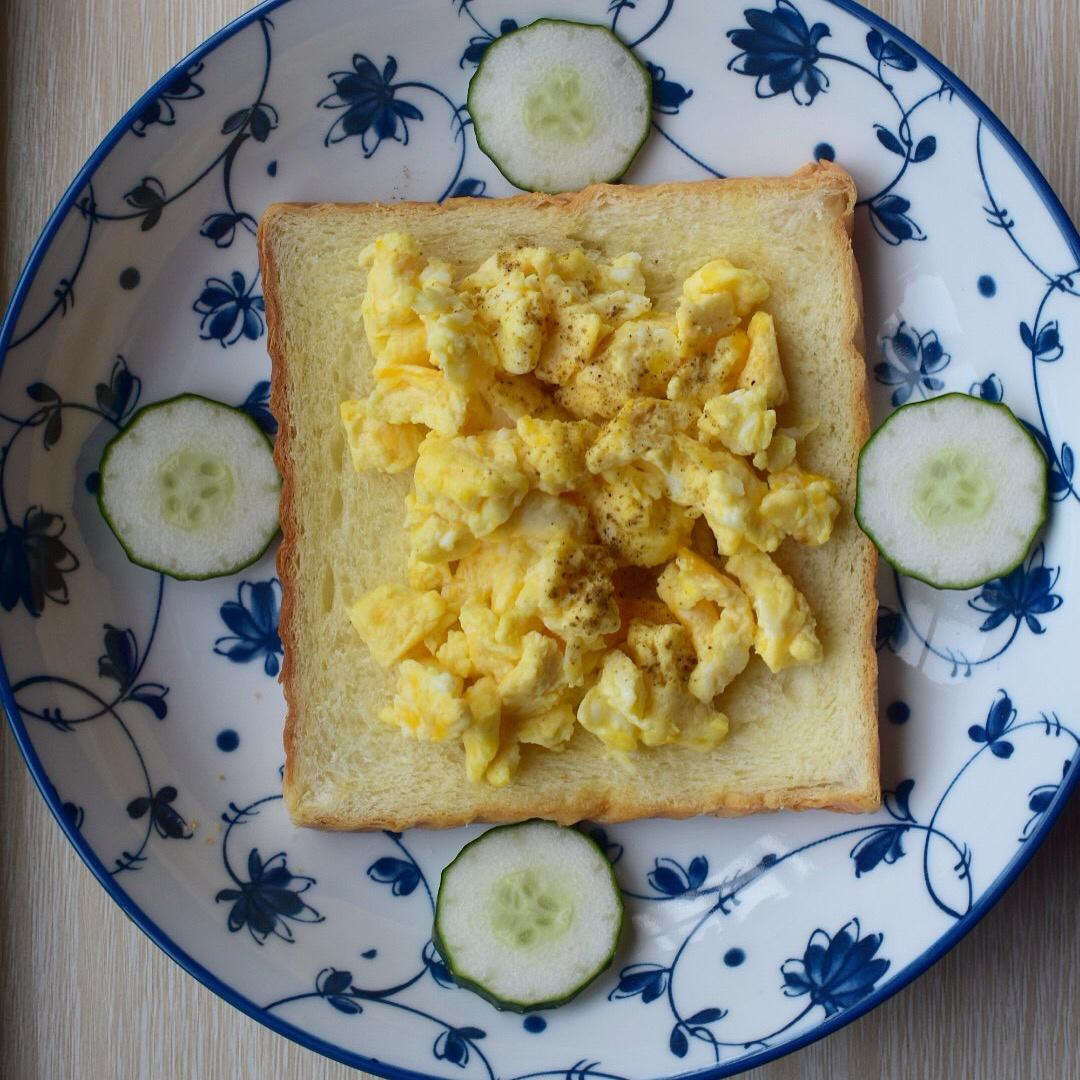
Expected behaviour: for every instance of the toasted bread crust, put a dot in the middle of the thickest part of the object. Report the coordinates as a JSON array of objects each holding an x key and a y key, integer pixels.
[
  {"x": 622, "y": 804},
  {"x": 286, "y": 553},
  {"x": 607, "y": 811}
]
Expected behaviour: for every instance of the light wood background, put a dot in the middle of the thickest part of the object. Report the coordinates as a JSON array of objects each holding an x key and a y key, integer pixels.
[{"x": 83, "y": 994}]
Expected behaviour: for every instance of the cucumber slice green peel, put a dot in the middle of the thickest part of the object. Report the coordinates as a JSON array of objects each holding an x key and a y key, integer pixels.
[
  {"x": 528, "y": 915},
  {"x": 189, "y": 488},
  {"x": 558, "y": 105},
  {"x": 952, "y": 491}
]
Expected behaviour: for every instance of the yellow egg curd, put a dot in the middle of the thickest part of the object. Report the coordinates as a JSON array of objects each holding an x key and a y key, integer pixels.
[{"x": 597, "y": 487}]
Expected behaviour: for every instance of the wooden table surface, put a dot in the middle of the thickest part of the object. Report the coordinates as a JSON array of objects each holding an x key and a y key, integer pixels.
[{"x": 85, "y": 994}]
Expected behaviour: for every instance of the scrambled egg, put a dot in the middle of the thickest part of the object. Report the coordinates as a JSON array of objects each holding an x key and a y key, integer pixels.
[
  {"x": 715, "y": 299},
  {"x": 739, "y": 421},
  {"x": 801, "y": 504},
  {"x": 465, "y": 487},
  {"x": 597, "y": 487},
  {"x": 378, "y": 444},
  {"x": 512, "y": 306},
  {"x": 394, "y": 619},
  {"x": 635, "y": 519},
  {"x": 785, "y": 633},
  {"x": 554, "y": 451},
  {"x": 637, "y": 359},
  {"x": 715, "y": 613},
  {"x": 428, "y": 703},
  {"x": 641, "y": 695},
  {"x": 762, "y": 367},
  {"x": 699, "y": 378}
]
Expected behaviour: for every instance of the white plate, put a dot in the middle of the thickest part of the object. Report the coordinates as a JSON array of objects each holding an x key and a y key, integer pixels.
[{"x": 149, "y": 712}]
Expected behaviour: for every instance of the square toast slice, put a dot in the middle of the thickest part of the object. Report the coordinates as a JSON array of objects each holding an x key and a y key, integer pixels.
[{"x": 805, "y": 738}]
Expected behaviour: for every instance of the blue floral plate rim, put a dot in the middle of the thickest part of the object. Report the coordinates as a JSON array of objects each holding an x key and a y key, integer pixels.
[{"x": 147, "y": 925}]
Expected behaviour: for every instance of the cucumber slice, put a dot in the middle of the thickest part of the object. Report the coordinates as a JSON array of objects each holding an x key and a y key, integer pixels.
[
  {"x": 190, "y": 489},
  {"x": 952, "y": 491},
  {"x": 528, "y": 915},
  {"x": 558, "y": 105}
]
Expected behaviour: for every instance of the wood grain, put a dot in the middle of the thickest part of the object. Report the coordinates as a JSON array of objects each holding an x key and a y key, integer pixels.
[{"x": 85, "y": 994}]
